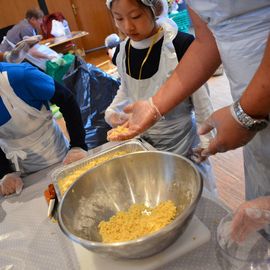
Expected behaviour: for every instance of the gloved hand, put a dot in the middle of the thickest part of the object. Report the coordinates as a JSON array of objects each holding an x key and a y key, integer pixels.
[
  {"x": 250, "y": 217},
  {"x": 197, "y": 154},
  {"x": 117, "y": 119},
  {"x": 230, "y": 134},
  {"x": 142, "y": 115},
  {"x": 17, "y": 54},
  {"x": 11, "y": 183},
  {"x": 74, "y": 154},
  {"x": 204, "y": 143}
]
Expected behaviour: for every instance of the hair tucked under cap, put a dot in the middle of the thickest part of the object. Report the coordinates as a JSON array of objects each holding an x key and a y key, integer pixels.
[{"x": 158, "y": 7}]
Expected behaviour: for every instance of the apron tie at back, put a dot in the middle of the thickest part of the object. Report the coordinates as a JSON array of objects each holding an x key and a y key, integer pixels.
[{"x": 14, "y": 155}]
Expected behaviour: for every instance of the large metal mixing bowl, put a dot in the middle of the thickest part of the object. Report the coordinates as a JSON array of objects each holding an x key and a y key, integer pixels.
[{"x": 143, "y": 177}]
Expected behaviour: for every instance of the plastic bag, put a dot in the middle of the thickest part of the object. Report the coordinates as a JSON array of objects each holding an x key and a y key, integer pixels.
[
  {"x": 94, "y": 90},
  {"x": 46, "y": 25},
  {"x": 58, "y": 29},
  {"x": 58, "y": 68}
]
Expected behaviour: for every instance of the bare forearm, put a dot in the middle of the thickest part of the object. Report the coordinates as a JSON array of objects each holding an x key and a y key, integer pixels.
[
  {"x": 256, "y": 99},
  {"x": 195, "y": 68}
]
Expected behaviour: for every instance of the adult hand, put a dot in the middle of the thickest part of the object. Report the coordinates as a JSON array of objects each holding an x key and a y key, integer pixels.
[
  {"x": 11, "y": 183},
  {"x": 117, "y": 119},
  {"x": 74, "y": 154},
  {"x": 142, "y": 115},
  {"x": 230, "y": 134},
  {"x": 197, "y": 155},
  {"x": 250, "y": 217}
]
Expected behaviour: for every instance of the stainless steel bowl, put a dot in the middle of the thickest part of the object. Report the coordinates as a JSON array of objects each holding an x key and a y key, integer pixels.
[{"x": 143, "y": 177}]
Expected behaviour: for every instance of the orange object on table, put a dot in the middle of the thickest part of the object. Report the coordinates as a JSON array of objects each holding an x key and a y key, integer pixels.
[{"x": 49, "y": 193}]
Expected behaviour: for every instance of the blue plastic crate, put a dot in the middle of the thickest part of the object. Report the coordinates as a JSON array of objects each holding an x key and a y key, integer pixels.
[{"x": 182, "y": 19}]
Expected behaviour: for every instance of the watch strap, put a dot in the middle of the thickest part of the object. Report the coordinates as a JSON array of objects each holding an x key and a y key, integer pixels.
[{"x": 246, "y": 120}]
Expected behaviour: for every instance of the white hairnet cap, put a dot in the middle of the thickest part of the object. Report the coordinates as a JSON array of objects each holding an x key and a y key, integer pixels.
[{"x": 158, "y": 7}]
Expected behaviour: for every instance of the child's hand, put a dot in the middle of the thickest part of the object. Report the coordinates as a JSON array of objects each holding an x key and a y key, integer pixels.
[
  {"x": 11, "y": 183},
  {"x": 117, "y": 119}
]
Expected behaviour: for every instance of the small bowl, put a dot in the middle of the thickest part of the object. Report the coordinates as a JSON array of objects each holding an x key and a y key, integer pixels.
[
  {"x": 251, "y": 254},
  {"x": 149, "y": 178}
]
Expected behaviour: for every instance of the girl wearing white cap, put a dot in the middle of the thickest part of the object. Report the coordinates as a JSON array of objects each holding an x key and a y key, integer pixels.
[{"x": 145, "y": 60}]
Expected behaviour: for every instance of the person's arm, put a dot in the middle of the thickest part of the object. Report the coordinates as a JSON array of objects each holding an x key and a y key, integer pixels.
[
  {"x": 197, "y": 65},
  {"x": 71, "y": 113},
  {"x": 42, "y": 88},
  {"x": 255, "y": 101},
  {"x": 195, "y": 68},
  {"x": 68, "y": 106}
]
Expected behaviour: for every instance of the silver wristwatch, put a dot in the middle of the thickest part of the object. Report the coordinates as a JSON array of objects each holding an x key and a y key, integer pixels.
[{"x": 245, "y": 120}]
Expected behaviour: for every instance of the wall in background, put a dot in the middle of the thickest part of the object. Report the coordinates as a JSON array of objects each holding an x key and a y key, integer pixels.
[
  {"x": 88, "y": 15},
  {"x": 12, "y": 11}
]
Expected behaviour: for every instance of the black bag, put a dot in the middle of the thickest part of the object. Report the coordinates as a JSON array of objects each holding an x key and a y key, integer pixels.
[{"x": 94, "y": 91}]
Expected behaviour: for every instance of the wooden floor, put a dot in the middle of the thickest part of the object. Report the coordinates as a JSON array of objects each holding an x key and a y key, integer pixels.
[{"x": 228, "y": 167}]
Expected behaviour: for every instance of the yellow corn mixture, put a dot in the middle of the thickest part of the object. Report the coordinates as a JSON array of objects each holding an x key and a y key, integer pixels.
[
  {"x": 138, "y": 221},
  {"x": 118, "y": 130},
  {"x": 65, "y": 182}
]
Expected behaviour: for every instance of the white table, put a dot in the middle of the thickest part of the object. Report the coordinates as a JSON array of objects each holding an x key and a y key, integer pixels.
[{"x": 29, "y": 240}]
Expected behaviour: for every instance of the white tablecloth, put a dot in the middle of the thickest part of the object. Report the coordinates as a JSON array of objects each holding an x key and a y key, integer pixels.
[{"x": 29, "y": 240}]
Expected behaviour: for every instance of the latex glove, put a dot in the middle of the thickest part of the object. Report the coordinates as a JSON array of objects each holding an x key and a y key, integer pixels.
[
  {"x": 250, "y": 217},
  {"x": 204, "y": 143},
  {"x": 142, "y": 115},
  {"x": 197, "y": 154},
  {"x": 230, "y": 134},
  {"x": 117, "y": 119},
  {"x": 11, "y": 183},
  {"x": 113, "y": 133},
  {"x": 74, "y": 154},
  {"x": 18, "y": 54}
]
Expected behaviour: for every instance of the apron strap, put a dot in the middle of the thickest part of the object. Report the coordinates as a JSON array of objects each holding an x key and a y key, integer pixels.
[
  {"x": 6, "y": 90},
  {"x": 14, "y": 155}
]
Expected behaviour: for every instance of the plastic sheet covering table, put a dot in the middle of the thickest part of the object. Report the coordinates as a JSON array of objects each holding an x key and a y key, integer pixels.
[{"x": 29, "y": 240}]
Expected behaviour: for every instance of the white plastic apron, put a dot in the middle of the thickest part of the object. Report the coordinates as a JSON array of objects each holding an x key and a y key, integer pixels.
[
  {"x": 241, "y": 29},
  {"x": 39, "y": 62},
  {"x": 177, "y": 132},
  {"x": 30, "y": 139}
]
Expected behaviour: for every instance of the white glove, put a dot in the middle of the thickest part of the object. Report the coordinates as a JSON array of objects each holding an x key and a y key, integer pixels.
[
  {"x": 17, "y": 54},
  {"x": 250, "y": 217},
  {"x": 74, "y": 154},
  {"x": 11, "y": 183},
  {"x": 117, "y": 119}
]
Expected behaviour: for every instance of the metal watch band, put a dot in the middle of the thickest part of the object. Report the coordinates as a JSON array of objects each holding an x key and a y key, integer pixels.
[{"x": 245, "y": 120}]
